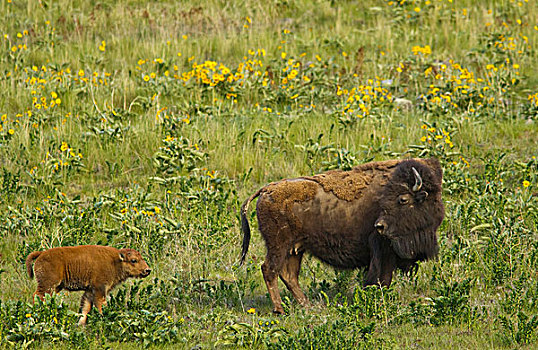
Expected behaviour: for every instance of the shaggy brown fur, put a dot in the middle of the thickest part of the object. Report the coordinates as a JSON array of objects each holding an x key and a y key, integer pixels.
[
  {"x": 380, "y": 215},
  {"x": 93, "y": 269}
]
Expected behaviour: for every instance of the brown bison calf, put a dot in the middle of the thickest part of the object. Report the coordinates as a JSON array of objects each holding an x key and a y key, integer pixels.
[{"x": 91, "y": 268}]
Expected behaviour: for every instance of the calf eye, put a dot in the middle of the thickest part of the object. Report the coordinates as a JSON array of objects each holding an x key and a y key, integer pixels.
[{"x": 133, "y": 261}]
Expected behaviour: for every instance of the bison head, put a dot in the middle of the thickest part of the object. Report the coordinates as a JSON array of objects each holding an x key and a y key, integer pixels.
[
  {"x": 412, "y": 209},
  {"x": 133, "y": 264}
]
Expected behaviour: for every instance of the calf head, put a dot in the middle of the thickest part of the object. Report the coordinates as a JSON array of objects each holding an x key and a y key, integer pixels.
[
  {"x": 412, "y": 209},
  {"x": 133, "y": 264}
]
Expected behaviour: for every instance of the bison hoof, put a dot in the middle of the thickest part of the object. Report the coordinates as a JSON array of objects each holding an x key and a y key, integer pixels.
[
  {"x": 278, "y": 311},
  {"x": 82, "y": 321}
]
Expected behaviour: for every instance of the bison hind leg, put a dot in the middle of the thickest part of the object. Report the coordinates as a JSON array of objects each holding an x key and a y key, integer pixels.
[
  {"x": 290, "y": 276},
  {"x": 271, "y": 270}
]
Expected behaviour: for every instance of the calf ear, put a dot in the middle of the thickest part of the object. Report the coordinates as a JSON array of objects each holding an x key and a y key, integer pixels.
[{"x": 122, "y": 256}]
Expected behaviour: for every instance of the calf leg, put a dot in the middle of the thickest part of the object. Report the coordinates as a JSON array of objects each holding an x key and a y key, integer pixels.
[
  {"x": 290, "y": 276},
  {"x": 86, "y": 304},
  {"x": 45, "y": 288},
  {"x": 47, "y": 280},
  {"x": 40, "y": 295},
  {"x": 99, "y": 299}
]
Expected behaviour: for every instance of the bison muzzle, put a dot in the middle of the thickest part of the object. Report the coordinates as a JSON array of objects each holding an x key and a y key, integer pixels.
[
  {"x": 381, "y": 216},
  {"x": 94, "y": 269}
]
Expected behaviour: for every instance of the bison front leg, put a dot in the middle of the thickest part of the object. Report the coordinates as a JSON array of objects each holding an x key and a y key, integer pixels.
[
  {"x": 387, "y": 269},
  {"x": 290, "y": 277},
  {"x": 86, "y": 304},
  {"x": 382, "y": 263}
]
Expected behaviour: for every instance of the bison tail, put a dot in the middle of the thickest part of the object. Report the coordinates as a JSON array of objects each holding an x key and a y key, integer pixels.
[
  {"x": 245, "y": 226},
  {"x": 29, "y": 262}
]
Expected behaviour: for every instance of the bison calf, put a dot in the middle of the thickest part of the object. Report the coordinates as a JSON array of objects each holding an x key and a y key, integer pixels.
[
  {"x": 380, "y": 215},
  {"x": 91, "y": 268}
]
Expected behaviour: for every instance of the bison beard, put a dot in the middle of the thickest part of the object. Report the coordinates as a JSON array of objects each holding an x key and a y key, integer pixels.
[
  {"x": 405, "y": 247},
  {"x": 381, "y": 216}
]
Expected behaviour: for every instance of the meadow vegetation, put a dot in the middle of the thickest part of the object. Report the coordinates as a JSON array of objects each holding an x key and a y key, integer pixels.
[{"x": 146, "y": 124}]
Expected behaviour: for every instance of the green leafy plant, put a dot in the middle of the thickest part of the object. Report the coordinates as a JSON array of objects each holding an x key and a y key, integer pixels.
[
  {"x": 334, "y": 333},
  {"x": 49, "y": 321},
  {"x": 520, "y": 329},
  {"x": 178, "y": 155},
  {"x": 251, "y": 335}
]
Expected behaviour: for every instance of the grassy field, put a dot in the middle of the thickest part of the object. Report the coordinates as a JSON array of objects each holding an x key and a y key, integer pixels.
[{"x": 146, "y": 125}]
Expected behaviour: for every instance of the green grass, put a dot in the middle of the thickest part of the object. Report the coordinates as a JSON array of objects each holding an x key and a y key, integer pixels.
[{"x": 153, "y": 156}]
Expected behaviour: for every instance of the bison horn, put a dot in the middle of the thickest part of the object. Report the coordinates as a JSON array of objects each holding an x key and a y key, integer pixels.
[{"x": 418, "y": 180}]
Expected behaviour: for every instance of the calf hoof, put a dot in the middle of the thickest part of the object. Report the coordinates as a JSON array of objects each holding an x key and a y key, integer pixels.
[
  {"x": 82, "y": 321},
  {"x": 304, "y": 302}
]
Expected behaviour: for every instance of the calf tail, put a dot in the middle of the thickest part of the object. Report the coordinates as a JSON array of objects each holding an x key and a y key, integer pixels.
[
  {"x": 245, "y": 226},
  {"x": 29, "y": 262}
]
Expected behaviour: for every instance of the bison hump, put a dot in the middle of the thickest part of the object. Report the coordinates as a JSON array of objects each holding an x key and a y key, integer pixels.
[{"x": 348, "y": 185}]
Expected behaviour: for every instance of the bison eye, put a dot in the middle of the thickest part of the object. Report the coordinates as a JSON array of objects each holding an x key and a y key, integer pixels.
[{"x": 403, "y": 200}]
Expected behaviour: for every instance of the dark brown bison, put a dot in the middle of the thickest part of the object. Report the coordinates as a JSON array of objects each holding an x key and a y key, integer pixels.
[
  {"x": 91, "y": 268},
  {"x": 379, "y": 215}
]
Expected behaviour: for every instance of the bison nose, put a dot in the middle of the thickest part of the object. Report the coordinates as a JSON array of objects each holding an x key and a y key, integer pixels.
[{"x": 380, "y": 226}]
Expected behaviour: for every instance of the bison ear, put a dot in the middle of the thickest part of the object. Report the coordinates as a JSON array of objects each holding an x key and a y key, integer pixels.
[
  {"x": 421, "y": 196},
  {"x": 122, "y": 256}
]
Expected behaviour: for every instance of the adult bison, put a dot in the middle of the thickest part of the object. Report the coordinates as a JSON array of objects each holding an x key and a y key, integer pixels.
[
  {"x": 91, "y": 268},
  {"x": 380, "y": 215}
]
